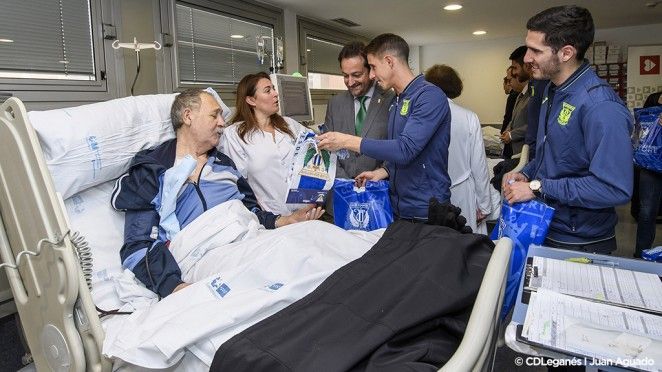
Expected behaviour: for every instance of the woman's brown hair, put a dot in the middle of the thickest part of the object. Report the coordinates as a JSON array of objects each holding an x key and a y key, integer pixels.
[
  {"x": 245, "y": 113},
  {"x": 446, "y": 78}
]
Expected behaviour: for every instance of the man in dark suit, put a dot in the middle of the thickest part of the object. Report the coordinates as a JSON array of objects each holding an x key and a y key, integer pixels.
[{"x": 361, "y": 111}]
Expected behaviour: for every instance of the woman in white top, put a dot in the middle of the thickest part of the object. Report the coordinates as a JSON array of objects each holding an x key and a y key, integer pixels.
[
  {"x": 467, "y": 166},
  {"x": 261, "y": 142}
]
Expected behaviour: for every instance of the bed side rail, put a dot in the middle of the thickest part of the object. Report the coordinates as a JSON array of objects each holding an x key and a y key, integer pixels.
[
  {"x": 38, "y": 256},
  {"x": 523, "y": 159},
  {"x": 476, "y": 351}
]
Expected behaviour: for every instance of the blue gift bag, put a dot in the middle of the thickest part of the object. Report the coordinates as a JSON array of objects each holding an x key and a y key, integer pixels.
[
  {"x": 361, "y": 209},
  {"x": 647, "y": 138},
  {"x": 525, "y": 223}
]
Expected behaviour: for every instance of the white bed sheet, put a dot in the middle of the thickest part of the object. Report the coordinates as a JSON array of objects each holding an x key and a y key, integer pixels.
[{"x": 257, "y": 273}]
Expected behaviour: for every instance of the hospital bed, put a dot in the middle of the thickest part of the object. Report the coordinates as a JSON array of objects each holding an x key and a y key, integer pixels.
[{"x": 49, "y": 269}]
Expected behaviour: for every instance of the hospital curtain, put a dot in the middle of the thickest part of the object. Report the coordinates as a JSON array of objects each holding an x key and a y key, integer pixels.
[
  {"x": 49, "y": 39},
  {"x": 217, "y": 49},
  {"x": 322, "y": 56}
]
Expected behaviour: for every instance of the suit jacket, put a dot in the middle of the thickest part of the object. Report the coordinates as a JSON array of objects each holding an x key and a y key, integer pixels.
[
  {"x": 340, "y": 117},
  {"x": 518, "y": 124}
]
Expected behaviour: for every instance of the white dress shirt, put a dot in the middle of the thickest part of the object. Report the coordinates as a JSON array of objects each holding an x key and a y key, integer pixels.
[
  {"x": 264, "y": 160},
  {"x": 357, "y": 102}
]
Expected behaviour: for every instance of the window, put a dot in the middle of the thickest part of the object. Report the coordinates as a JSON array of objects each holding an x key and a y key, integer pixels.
[
  {"x": 319, "y": 46},
  {"x": 322, "y": 63},
  {"x": 218, "y": 42},
  {"x": 217, "y": 49},
  {"x": 53, "y": 50},
  {"x": 44, "y": 39}
]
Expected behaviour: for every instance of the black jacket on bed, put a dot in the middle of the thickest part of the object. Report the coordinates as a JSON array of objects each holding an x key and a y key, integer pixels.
[{"x": 404, "y": 305}]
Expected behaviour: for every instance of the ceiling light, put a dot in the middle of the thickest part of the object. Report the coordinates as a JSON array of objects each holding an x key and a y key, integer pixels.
[
  {"x": 63, "y": 62},
  {"x": 307, "y": 50},
  {"x": 453, "y": 7},
  {"x": 480, "y": 32},
  {"x": 237, "y": 36},
  {"x": 6, "y": 41}
]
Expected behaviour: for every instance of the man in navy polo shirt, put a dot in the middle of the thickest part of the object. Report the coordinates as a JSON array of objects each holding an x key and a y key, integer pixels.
[
  {"x": 415, "y": 152},
  {"x": 583, "y": 163}
]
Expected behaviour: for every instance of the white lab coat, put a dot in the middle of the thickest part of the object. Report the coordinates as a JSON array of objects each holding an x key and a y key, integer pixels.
[
  {"x": 467, "y": 167},
  {"x": 265, "y": 161}
]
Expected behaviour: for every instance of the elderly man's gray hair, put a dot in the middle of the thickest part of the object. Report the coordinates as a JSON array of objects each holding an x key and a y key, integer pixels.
[{"x": 188, "y": 99}]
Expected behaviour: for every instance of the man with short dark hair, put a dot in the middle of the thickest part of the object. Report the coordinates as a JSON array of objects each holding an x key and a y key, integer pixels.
[
  {"x": 416, "y": 151},
  {"x": 362, "y": 110},
  {"x": 583, "y": 166},
  {"x": 516, "y": 129}
]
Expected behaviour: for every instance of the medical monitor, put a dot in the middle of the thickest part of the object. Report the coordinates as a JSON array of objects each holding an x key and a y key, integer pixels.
[{"x": 293, "y": 97}]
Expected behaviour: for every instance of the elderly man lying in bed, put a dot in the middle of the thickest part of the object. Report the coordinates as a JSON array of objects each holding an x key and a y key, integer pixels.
[{"x": 168, "y": 187}]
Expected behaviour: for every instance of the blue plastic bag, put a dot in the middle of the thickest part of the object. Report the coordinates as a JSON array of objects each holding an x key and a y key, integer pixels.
[
  {"x": 652, "y": 254},
  {"x": 357, "y": 209},
  {"x": 525, "y": 223},
  {"x": 647, "y": 138}
]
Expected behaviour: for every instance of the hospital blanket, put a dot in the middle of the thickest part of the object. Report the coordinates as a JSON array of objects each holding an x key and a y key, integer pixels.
[
  {"x": 242, "y": 273},
  {"x": 403, "y": 306}
]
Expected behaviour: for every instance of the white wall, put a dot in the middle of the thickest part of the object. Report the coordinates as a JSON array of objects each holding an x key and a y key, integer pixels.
[
  {"x": 138, "y": 22},
  {"x": 482, "y": 64},
  {"x": 291, "y": 40}
]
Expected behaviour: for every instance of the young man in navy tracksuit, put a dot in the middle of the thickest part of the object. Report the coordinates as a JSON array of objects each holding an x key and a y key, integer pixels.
[
  {"x": 583, "y": 165},
  {"x": 416, "y": 150}
]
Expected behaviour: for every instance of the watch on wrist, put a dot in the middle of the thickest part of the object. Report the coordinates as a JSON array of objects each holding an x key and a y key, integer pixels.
[{"x": 536, "y": 187}]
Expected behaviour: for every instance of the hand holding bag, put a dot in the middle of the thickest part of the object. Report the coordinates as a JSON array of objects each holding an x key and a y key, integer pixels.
[{"x": 365, "y": 209}]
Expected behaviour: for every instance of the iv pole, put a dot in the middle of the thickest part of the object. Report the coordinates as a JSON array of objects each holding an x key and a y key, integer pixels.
[{"x": 137, "y": 47}]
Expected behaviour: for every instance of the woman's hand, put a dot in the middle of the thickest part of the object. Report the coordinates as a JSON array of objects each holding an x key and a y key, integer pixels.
[
  {"x": 307, "y": 213},
  {"x": 480, "y": 216}
]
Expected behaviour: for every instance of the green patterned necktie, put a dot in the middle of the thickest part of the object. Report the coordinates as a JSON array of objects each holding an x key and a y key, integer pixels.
[{"x": 360, "y": 116}]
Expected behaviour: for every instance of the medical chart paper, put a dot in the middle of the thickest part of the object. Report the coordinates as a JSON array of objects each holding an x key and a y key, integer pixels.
[
  {"x": 597, "y": 282},
  {"x": 610, "y": 334}
]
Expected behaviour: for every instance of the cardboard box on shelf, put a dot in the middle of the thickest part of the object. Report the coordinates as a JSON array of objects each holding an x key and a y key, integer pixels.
[
  {"x": 599, "y": 52},
  {"x": 613, "y": 53},
  {"x": 589, "y": 54}
]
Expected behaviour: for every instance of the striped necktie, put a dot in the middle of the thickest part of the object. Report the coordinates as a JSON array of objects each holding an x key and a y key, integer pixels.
[{"x": 360, "y": 116}]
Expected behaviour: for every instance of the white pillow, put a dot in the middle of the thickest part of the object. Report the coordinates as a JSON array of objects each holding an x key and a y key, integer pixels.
[
  {"x": 102, "y": 226},
  {"x": 88, "y": 145}
]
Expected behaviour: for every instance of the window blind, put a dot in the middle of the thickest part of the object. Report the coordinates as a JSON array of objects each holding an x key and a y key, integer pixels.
[
  {"x": 48, "y": 39},
  {"x": 207, "y": 52},
  {"x": 322, "y": 56}
]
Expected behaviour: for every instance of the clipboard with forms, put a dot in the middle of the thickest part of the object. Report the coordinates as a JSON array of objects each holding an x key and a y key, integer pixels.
[
  {"x": 603, "y": 312},
  {"x": 608, "y": 284}
]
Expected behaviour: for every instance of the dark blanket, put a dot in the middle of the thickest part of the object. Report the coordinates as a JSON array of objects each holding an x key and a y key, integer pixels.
[{"x": 404, "y": 305}]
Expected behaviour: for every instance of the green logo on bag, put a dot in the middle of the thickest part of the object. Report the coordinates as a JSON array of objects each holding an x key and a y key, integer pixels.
[
  {"x": 566, "y": 112},
  {"x": 405, "y": 107}
]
